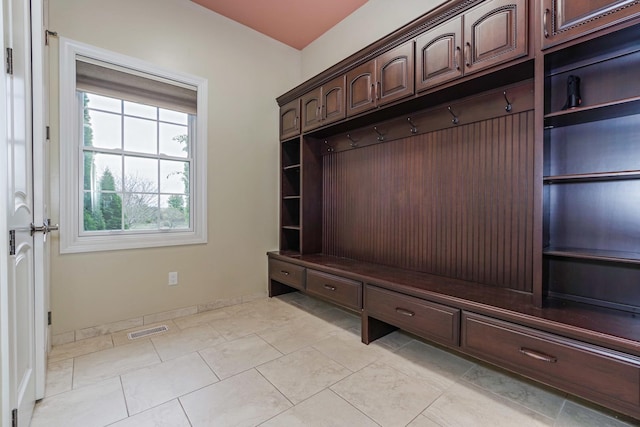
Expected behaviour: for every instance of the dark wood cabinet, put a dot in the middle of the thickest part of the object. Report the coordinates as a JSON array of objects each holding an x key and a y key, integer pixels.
[
  {"x": 564, "y": 20},
  {"x": 486, "y": 213},
  {"x": 324, "y": 105},
  {"x": 290, "y": 119},
  {"x": 494, "y": 32},
  {"x": 439, "y": 55},
  {"x": 385, "y": 79}
]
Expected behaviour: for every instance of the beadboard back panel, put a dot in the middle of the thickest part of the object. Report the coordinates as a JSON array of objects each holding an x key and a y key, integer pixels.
[{"x": 456, "y": 202}]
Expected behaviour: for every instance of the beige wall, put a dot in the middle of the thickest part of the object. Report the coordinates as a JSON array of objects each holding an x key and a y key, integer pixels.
[
  {"x": 246, "y": 72},
  {"x": 374, "y": 20}
]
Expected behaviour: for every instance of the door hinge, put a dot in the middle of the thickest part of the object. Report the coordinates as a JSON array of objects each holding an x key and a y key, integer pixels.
[
  {"x": 49, "y": 318},
  {"x": 14, "y": 418},
  {"x": 47, "y": 133},
  {"x": 9, "y": 61},
  {"x": 12, "y": 242},
  {"x": 48, "y": 34}
]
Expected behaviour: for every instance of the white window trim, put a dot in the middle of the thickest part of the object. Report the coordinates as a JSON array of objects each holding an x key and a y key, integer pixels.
[{"x": 71, "y": 238}]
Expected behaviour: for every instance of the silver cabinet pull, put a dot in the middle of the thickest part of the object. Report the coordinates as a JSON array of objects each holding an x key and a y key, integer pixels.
[
  {"x": 329, "y": 287},
  {"x": 405, "y": 312},
  {"x": 537, "y": 355}
]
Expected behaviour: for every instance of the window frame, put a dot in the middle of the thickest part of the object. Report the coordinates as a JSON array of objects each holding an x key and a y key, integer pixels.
[{"x": 73, "y": 239}]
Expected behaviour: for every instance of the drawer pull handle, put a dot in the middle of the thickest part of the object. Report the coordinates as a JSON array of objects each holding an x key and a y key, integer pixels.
[
  {"x": 286, "y": 273},
  {"x": 538, "y": 356},
  {"x": 329, "y": 287},
  {"x": 405, "y": 312}
]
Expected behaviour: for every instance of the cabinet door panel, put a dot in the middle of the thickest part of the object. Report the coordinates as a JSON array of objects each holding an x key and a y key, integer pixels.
[
  {"x": 565, "y": 20},
  {"x": 360, "y": 88},
  {"x": 311, "y": 103},
  {"x": 439, "y": 55},
  {"x": 333, "y": 100},
  {"x": 290, "y": 119},
  {"x": 395, "y": 74},
  {"x": 494, "y": 32}
]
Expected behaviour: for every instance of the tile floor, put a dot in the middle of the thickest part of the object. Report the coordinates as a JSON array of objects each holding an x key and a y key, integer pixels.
[{"x": 288, "y": 361}]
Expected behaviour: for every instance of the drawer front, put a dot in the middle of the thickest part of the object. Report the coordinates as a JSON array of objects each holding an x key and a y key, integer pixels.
[
  {"x": 289, "y": 274},
  {"x": 427, "y": 319},
  {"x": 342, "y": 291},
  {"x": 586, "y": 370}
]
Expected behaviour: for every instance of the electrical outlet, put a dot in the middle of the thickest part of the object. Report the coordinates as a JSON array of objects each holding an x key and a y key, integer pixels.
[{"x": 173, "y": 278}]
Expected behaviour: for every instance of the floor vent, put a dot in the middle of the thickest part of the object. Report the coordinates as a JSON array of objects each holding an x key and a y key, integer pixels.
[{"x": 146, "y": 332}]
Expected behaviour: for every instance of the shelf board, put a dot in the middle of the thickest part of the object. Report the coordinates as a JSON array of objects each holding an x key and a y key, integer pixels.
[
  {"x": 291, "y": 197},
  {"x": 592, "y": 113},
  {"x": 589, "y": 177},
  {"x": 291, "y": 167},
  {"x": 594, "y": 254},
  {"x": 291, "y": 227}
]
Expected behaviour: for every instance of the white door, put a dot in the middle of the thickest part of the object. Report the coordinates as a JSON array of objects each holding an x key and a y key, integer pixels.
[{"x": 20, "y": 209}]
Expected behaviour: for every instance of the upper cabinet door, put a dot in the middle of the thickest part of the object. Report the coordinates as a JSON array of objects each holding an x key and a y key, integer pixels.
[
  {"x": 567, "y": 19},
  {"x": 395, "y": 74},
  {"x": 311, "y": 109},
  {"x": 290, "y": 119},
  {"x": 494, "y": 32},
  {"x": 361, "y": 83},
  {"x": 439, "y": 54},
  {"x": 333, "y": 101}
]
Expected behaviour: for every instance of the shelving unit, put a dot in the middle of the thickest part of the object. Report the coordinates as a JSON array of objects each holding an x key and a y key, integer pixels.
[
  {"x": 592, "y": 174},
  {"x": 291, "y": 195}
]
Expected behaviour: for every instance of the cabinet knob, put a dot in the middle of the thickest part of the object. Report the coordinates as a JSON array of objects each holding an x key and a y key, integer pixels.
[{"x": 286, "y": 273}]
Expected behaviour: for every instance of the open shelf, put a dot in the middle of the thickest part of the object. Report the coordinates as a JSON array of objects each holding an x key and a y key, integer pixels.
[
  {"x": 602, "y": 111},
  {"x": 590, "y": 177},
  {"x": 594, "y": 254},
  {"x": 291, "y": 197},
  {"x": 291, "y": 167},
  {"x": 291, "y": 227}
]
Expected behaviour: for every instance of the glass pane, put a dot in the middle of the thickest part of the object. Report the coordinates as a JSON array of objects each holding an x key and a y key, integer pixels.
[
  {"x": 174, "y": 117},
  {"x": 140, "y": 211},
  {"x": 140, "y": 135},
  {"x": 97, "y": 166},
  {"x": 93, "y": 220},
  {"x": 174, "y": 177},
  {"x": 110, "y": 206},
  {"x": 102, "y": 130},
  {"x": 140, "y": 110},
  {"x": 140, "y": 174},
  {"x": 100, "y": 102},
  {"x": 174, "y": 140},
  {"x": 173, "y": 212}
]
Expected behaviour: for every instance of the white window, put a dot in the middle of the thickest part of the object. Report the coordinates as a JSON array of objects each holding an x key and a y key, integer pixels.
[{"x": 132, "y": 153}]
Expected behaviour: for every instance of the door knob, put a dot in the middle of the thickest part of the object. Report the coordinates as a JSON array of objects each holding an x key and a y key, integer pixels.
[{"x": 46, "y": 227}]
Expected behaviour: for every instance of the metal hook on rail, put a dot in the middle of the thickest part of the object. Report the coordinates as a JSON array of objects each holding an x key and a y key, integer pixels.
[
  {"x": 507, "y": 107},
  {"x": 330, "y": 149},
  {"x": 380, "y": 134},
  {"x": 455, "y": 120},
  {"x": 414, "y": 129},
  {"x": 353, "y": 142}
]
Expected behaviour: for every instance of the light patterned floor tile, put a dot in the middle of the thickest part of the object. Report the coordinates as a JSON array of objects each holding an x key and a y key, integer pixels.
[
  {"x": 59, "y": 377},
  {"x": 169, "y": 414},
  {"x": 324, "y": 409},
  {"x": 157, "y": 384},
  {"x": 422, "y": 421},
  {"x": 104, "y": 364},
  {"x": 432, "y": 364},
  {"x": 292, "y": 336},
  {"x": 386, "y": 395},
  {"x": 186, "y": 341},
  {"x": 96, "y": 405},
  {"x": 348, "y": 351},
  {"x": 246, "y": 399},
  {"x": 576, "y": 415},
  {"x": 541, "y": 400},
  {"x": 302, "y": 374},
  {"x": 230, "y": 358},
  {"x": 79, "y": 348},
  {"x": 200, "y": 318},
  {"x": 393, "y": 341},
  {"x": 465, "y": 405}
]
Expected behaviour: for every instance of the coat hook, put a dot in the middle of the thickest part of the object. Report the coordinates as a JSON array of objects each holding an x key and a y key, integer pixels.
[
  {"x": 507, "y": 107},
  {"x": 380, "y": 134},
  {"x": 329, "y": 148},
  {"x": 353, "y": 143},
  {"x": 455, "y": 120},
  {"x": 414, "y": 129}
]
